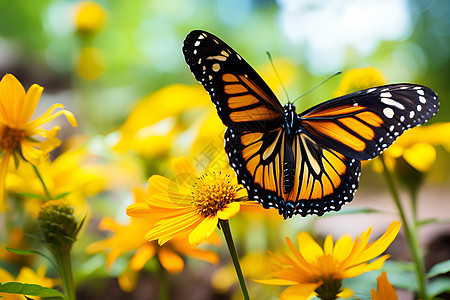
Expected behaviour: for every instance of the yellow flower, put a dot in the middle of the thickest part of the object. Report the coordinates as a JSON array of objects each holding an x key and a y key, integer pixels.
[
  {"x": 188, "y": 204},
  {"x": 89, "y": 16},
  {"x": 68, "y": 174},
  {"x": 18, "y": 134},
  {"x": 417, "y": 147},
  {"x": 359, "y": 79},
  {"x": 121, "y": 242},
  {"x": 311, "y": 270},
  {"x": 178, "y": 106},
  {"x": 385, "y": 290},
  {"x": 91, "y": 63},
  {"x": 26, "y": 275}
]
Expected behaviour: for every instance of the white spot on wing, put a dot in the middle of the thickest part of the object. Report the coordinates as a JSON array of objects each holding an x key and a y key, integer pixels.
[
  {"x": 392, "y": 102},
  {"x": 388, "y": 112},
  {"x": 422, "y": 99}
]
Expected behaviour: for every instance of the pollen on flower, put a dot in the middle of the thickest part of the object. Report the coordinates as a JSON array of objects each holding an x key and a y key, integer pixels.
[
  {"x": 11, "y": 138},
  {"x": 212, "y": 193}
]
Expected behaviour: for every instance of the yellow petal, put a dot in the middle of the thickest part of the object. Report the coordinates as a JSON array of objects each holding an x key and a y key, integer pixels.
[
  {"x": 328, "y": 245},
  {"x": 420, "y": 156},
  {"x": 12, "y": 96},
  {"x": 127, "y": 280},
  {"x": 342, "y": 248},
  {"x": 167, "y": 229},
  {"x": 142, "y": 256},
  {"x": 138, "y": 210},
  {"x": 308, "y": 247},
  {"x": 32, "y": 154},
  {"x": 49, "y": 115},
  {"x": 385, "y": 290},
  {"x": 184, "y": 170},
  {"x": 346, "y": 293},
  {"x": 365, "y": 267},
  {"x": 299, "y": 292},
  {"x": 230, "y": 210},
  {"x": 203, "y": 230},
  {"x": 171, "y": 261},
  {"x": 275, "y": 281},
  {"x": 31, "y": 100},
  {"x": 3, "y": 171},
  {"x": 380, "y": 245}
]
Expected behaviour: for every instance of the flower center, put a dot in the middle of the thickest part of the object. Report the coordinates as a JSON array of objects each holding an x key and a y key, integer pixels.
[
  {"x": 212, "y": 193},
  {"x": 11, "y": 137}
]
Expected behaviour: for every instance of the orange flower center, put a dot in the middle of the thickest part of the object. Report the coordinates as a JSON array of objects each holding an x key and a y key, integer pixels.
[
  {"x": 11, "y": 138},
  {"x": 212, "y": 193}
]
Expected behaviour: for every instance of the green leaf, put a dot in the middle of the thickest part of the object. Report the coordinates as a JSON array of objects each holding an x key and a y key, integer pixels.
[
  {"x": 433, "y": 221},
  {"x": 33, "y": 196},
  {"x": 29, "y": 289},
  {"x": 438, "y": 286},
  {"x": 31, "y": 252},
  {"x": 351, "y": 211},
  {"x": 61, "y": 196},
  {"x": 439, "y": 268}
]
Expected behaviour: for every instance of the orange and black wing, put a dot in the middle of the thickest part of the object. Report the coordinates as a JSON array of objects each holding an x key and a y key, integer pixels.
[
  {"x": 324, "y": 179},
  {"x": 362, "y": 124},
  {"x": 241, "y": 97}
]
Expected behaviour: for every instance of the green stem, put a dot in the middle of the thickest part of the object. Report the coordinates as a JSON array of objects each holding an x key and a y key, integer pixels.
[
  {"x": 410, "y": 234},
  {"x": 47, "y": 193},
  {"x": 227, "y": 233},
  {"x": 163, "y": 283},
  {"x": 64, "y": 264}
]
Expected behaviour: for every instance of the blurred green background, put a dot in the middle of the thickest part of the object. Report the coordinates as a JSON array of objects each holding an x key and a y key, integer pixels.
[{"x": 138, "y": 47}]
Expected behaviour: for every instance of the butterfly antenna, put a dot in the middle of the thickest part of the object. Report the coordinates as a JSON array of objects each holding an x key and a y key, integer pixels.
[
  {"x": 328, "y": 78},
  {"x": 276, "y": 74}
]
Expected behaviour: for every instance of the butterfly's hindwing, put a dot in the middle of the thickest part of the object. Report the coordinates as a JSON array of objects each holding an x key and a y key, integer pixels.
[
  {"x": 323, "y": 180},
  {"x": 363, "y": 124}
]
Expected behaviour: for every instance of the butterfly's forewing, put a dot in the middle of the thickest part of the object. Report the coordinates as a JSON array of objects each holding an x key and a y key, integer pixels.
[
  {"x": 238, "y": 92},
  {"x": 363, "y": 124}
]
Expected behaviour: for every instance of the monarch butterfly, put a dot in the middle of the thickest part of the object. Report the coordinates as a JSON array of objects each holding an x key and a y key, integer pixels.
[{"x": 306, "y": 163}]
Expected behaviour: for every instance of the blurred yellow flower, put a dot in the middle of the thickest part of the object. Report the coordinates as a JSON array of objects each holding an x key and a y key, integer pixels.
[
  {"x": 224, "y": 278},
  {"x": 417, "y": 147},
  {"x": 385, "y": 290},
  {"x": 130, "y": 237},
  {"x": 189, "y": 204},
  {"x": 91, "y": 63},
  {"x": 26, "y": 275},
  {"x": 311, "y": 270},
  {"x": 90, "y": 16},
  {"x": 68, "y": 174},
  {"x": 18, "y": 135},
  {"x": 359, "y": 79},
  {"x": 178, "y": 107},
  {"x": 16, "y": 240}
]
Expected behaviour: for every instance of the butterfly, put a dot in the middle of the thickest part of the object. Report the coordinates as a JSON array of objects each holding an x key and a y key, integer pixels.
[{"x": 307, "y": 163}]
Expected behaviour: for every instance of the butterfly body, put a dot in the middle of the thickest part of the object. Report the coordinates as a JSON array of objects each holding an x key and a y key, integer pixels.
[{"x": 307, "y": 163}]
